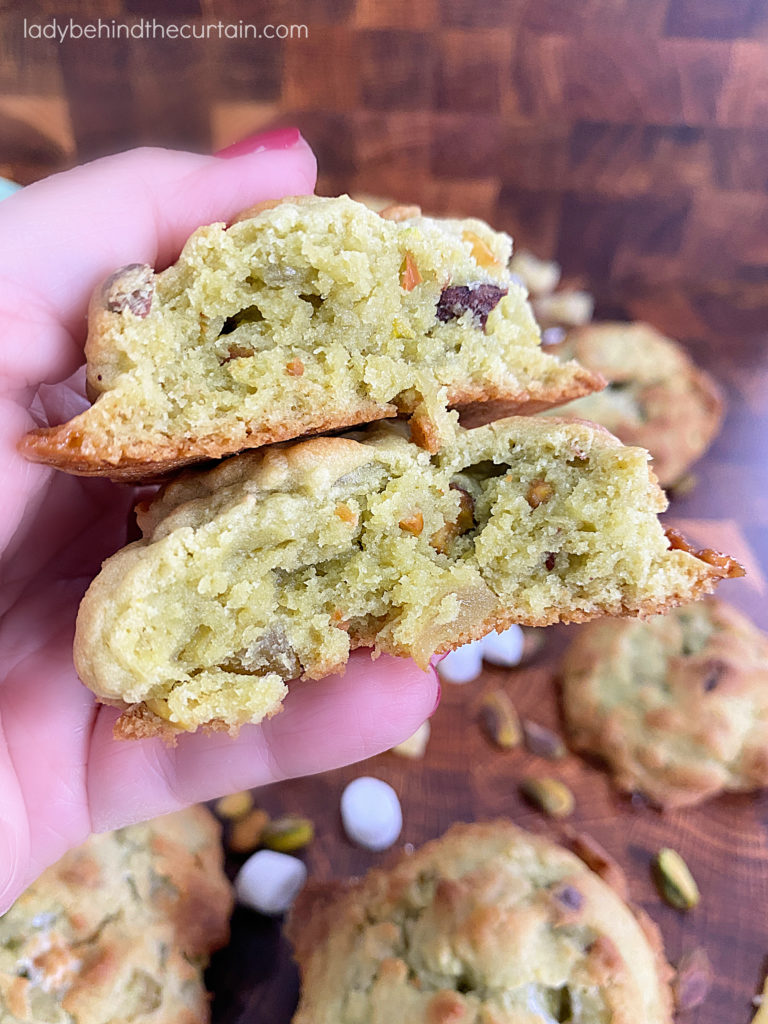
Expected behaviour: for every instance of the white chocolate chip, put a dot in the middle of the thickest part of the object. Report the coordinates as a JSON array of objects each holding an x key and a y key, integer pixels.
[
  {"x": 504, "y": 648},
  {"x": 415, "y": 746},
  {"x": 371, "y": 813},
  {"x": 462, "y": 665},
  {"x": 269, "y": 881}
]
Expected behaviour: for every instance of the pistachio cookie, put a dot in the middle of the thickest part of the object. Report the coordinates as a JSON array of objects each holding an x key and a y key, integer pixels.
[
  {"x": 120, "y": 929},
  {"x": 487, "y": 923},
  {"x": 276, "y": 563},
  {"x": 677, "y": 705},
  {"x": 303, "y": 316},
  {"x": 656, "y": 397}
]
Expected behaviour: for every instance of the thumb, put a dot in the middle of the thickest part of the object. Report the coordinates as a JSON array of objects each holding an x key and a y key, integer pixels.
[{"x": 59, "y": 237}]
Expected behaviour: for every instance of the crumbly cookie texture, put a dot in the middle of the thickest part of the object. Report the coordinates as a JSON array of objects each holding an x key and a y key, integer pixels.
[
  {"x": 677, "y": 705},
  {"x": 276, "y": 563},
  {"x": 120, "y": 929},
  {"x": 487, "y": 924},
  {"x": 304, "y": 315},
  {"x": 656, "y": 397}
]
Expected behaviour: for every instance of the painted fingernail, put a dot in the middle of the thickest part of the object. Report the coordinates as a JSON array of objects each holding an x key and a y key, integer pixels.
[
  {"x": 437, "y": 701},
  {"x": 279, "y": 138}
]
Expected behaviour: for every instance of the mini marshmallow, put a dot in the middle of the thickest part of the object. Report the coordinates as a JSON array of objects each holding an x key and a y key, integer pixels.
[
  {"x": 505, "y": 648},
  {"x": 462, "y": 665},
  {"x": 371, "y": 813},
  {"x": 269, "y": 882}
]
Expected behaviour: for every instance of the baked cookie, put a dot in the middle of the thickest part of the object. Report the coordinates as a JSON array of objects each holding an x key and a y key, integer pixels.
[
  {"x": 303, "y": 316},
  {"x": 656, "y": 397},
  {"x": 564, "y": 307},
  {"x": 676, "y": 705},
  {"x": 488, "y": 923},
  {"x": 120, "y": 929},
  {"x": 276, "y": 563}
]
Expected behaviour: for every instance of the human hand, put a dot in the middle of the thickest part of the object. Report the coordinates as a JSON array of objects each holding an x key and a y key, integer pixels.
[{"x": 61, "y": 773}]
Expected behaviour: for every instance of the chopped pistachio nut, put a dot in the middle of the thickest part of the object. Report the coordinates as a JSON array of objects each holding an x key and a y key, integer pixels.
[
  {"x": 288, "y": 834},
  {"x": 500, "y": 720},
  {"x": 693, "y": 979},
  {"x": 550, "y": 796},
  {"x": 542, "y": 741},
  {"x": 675, "y": 882},
  {"x": 234, "y": 805},
  {"x": 246, "y": 832},
  {"x": 416, "y": 745}
]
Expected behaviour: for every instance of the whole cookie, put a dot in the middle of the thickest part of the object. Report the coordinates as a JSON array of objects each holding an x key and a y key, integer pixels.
[
  {"x": 120, "y": 929},
  {"x": 676, "y": 705},
  {"x": 488, "y": 923},
  {"x": 656, "y": 397}
]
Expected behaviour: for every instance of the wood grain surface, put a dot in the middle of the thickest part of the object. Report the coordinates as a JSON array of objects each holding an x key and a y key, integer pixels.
[
  {"x": 627, "y": 138},
  {"x": 464, "y": 778}
]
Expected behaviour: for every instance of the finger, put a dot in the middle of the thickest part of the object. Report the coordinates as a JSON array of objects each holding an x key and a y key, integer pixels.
[
  {"x": 45, "y": 721},
  {"x": 323, "y": 725},
  {"x": 61, "y": 236}
]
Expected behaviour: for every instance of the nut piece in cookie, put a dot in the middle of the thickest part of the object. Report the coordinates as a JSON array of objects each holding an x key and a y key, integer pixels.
[
  {"x": 303, "y": 315},
  {"x": 487, "y": 923},
  {"x": 276, "y": 564},
  {"x": 120, "y": 928},
  {"x": 677, "y": 705}
]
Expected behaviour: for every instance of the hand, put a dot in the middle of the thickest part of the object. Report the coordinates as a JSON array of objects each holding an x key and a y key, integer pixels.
[{"x": 61, "y": 773}]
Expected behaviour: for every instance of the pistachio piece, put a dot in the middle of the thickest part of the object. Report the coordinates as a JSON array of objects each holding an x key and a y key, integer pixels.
[
  {"x": 130, "y": 288},
  {"x": 246, "y": 833},
  {"x": 542, "y": 741},
  {"x": 416, "y": 745},
  {"x": 693, "y": 980},
  {"x": 675, "y": 882},
  {"x": 549, "y": 795},
  {"x": 288, "y": 834},
  {"x": 500, "y": 720},
  {"x": 409, "y": 273},
  {"x": 539, "y": 492},
  {"x": 234, "y": 805},
  {"x": 596, "y": 857}
]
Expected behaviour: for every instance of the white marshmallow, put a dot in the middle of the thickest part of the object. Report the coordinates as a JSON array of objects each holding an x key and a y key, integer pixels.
[
  {"x": 270, "y": 881},
  {"x": 462, "y": 665},
  {"x": 371, "y": 813},
  {"x": 504, "y": 648}
]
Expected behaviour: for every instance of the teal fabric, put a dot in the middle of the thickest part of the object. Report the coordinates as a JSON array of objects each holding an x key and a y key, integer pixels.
[{"x": 7, "y": 188}]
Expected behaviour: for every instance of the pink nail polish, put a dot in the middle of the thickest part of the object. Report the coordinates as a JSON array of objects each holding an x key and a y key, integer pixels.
[
  {"x": 279, "y": 138},
  {"x": 437, "y": 702}
]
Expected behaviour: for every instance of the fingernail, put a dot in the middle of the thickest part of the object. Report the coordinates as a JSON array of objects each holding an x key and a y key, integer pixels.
[
  {"x": 278, "y": 138},
  {"x": 437, "y": 702}
]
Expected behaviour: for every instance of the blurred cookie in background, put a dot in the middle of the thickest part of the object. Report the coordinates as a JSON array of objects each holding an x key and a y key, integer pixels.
[
  {"x": 555, "y": 307},
  {"x": 656, "y": 396},
  {"x": 487, "y": 923},
  {"x": 677, "y": 705},
  {"x": 120, "y": 929}
]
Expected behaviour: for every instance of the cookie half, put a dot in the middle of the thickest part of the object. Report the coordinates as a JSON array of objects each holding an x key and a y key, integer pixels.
[
  {"x": 487, "y": 923},
  {"x": 677, "y": 705},
  {"x": 303, "y": 316},
  {"x": 120, "y": 929},
  {"x": 277, "y": 563},
  {"x": 656, "y": 396}
]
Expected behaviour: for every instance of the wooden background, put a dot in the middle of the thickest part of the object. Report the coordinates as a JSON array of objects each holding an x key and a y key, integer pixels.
[{"x": 627, "y": 138}]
